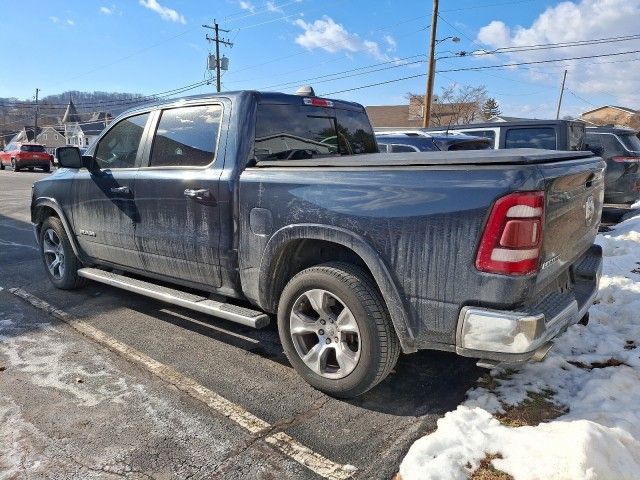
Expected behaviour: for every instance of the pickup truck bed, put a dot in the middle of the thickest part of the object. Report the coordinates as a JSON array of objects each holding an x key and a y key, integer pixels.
[{"x": 520, "y": 156}]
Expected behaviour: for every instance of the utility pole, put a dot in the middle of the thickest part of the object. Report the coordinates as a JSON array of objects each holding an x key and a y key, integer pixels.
[
  {"x": 432, "y": 66},
  {"x": 564, "y": 78},
  {"x": 218, "y": 41},
  {"x": 35, "y": 129}
]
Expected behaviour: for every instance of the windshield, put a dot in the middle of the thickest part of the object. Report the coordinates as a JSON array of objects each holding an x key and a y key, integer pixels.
[
  {"x": 297, "y": 132},
  {"x": 630, "y": 142},
  {"x": 32, "y": 148}
]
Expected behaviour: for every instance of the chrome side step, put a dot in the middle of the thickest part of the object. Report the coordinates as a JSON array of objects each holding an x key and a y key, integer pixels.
[{"x": 233, "y": 313}]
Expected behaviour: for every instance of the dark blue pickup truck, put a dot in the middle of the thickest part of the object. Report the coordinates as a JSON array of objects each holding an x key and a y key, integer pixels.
[{"x": 247, "y": 204}]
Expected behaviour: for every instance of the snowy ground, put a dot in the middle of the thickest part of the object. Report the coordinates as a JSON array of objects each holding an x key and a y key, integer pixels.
[{"x": 591, "y": 379}]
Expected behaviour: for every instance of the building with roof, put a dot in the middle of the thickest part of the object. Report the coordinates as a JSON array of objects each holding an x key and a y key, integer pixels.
[
  {"x": 613, "y": 115},
  {"x": 81, "y": 130},
  {"x": 411, "y": 115}
]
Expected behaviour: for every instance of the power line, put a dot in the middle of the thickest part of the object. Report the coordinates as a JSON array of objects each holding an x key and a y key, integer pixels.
[{"x": 485, "y": 67}]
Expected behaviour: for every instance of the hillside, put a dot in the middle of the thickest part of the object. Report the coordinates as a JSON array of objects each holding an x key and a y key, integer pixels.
[{"x": 16, "y": 113}]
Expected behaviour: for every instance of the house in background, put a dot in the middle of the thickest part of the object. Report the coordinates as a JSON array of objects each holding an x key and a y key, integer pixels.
[
  {"x": 51, "y": 138},
  {"x": 73, "y": 129},
  {"x": 613, "y": 115},
  {"x": 80, "y": 131},
  {"x": 411, "y": 115}
]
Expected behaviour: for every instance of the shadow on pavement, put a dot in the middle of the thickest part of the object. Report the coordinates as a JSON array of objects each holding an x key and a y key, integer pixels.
[{"x": 421, "y": 383}]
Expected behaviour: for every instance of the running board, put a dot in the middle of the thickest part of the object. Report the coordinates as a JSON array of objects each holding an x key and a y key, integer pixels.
[{"x": 233, "y": 313}]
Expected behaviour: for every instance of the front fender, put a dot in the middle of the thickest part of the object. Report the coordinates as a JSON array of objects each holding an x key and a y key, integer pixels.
[
  {"x": 36, "y": 218},
  {"x": 357, "y": 244}
]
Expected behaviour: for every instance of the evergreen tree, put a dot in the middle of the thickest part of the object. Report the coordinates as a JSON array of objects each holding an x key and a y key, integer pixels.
[{"x": 490, "y": 108}]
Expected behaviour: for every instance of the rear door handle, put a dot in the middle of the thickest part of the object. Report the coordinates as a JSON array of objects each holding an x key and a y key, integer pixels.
[
  {"x": 121, "y": 190},
  {"x": 202, "y": 194}
]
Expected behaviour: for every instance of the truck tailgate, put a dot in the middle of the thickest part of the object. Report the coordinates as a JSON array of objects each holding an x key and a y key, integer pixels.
[{"x": 574, "y": 196}]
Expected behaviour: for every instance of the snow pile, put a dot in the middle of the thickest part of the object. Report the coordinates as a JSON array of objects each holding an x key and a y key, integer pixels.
[{"x": 593, "y": 370}]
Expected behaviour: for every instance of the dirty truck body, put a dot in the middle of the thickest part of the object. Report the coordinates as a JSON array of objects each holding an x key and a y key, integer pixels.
[{"x": 360, "y": 254}]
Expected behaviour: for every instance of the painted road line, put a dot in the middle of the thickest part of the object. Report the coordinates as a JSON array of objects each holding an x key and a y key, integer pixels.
[{"x": 254, "y": 425}]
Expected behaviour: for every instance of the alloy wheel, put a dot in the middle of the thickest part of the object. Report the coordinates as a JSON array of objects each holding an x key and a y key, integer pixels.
[
  {"x": 53, "y": 253},
  {"x": 325, "y": 334}
]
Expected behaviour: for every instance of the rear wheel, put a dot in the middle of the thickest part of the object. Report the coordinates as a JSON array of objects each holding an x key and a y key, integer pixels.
[
  {"x": 60, "y": 263},
  {"x": 1, "y": 165},
  {"x": 46, "y": 169},
  {"x": 335, "y": 329}
]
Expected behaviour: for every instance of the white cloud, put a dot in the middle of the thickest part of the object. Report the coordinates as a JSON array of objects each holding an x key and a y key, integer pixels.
[
  {"x": 333, "y": 37},
  {"x": 574, "y": 21},
  {"x": 70, "y": 22},
  {"x": 246, "y": 5},
  {"x": 391, "y": 43},
  {"x": 165, "y": 13},
  {"x": 106, "y": 10},
  {"x": 54, "y": 19},
  {"x": 272, "y": 7}
]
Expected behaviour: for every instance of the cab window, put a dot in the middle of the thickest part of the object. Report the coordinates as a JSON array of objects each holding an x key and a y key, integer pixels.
[
  {"x": 186, "y": 136},
  {"x": 119, "y": 147},
  {"x": 537, "y": 137}
]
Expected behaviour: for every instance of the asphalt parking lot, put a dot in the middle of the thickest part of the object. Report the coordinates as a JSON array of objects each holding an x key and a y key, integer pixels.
[{"x": 72, "y": 408}]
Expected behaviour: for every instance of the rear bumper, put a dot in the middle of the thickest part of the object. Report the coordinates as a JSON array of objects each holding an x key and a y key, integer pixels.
[
  {"x": 33, "y": 163},
  {"x": 512, "y": 337}
]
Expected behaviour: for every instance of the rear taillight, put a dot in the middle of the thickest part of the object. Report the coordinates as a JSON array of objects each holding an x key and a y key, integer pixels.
[
  {"x": 511, "y": 239},
  {"x": 626, "y": 159}
]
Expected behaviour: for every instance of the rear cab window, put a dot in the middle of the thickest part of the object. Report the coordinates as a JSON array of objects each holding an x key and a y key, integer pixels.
[
  {"x": 531, "y": 137},
  {"x": 32, "y": 148},
  {"x": 297, "y": 132}
]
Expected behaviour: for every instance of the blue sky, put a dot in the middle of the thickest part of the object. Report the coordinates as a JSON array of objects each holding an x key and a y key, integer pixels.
[{"x": 149, "y": 46}]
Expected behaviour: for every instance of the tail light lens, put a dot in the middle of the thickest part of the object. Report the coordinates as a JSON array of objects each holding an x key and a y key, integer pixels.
[
  {"x": 626, "y": 159},
  {"x": 510, "y": 243}
]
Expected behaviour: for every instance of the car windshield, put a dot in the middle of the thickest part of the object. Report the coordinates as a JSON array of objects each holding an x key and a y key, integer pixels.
[
  {"x": 32, "y": 148},
  {"x": 630, "y": 142}
]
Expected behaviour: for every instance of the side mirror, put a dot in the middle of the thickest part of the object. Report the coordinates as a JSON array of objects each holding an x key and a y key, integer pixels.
[{"x": 69, "y": 157}]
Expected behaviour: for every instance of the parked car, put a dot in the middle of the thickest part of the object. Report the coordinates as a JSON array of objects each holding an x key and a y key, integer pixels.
[
  {"x": 281, "y": 204},
  {"x": 620, "y": 148},
  {"x": 25, "y": 155},
  {"x": 395, "y": 142},
  {"x": 547, "y": 134}
]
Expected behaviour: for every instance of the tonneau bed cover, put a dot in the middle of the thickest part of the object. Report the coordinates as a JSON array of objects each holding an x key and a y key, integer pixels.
[{"x": 514, "y": 156}]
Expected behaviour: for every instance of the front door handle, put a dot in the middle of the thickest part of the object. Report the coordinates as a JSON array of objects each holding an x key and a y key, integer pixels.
[
  {"x": 202, "y": 194},
  {"x": 121, "y": 190}
]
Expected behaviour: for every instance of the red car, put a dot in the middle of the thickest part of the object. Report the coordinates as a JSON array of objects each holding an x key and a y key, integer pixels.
[{"x": 25, "y": 155}]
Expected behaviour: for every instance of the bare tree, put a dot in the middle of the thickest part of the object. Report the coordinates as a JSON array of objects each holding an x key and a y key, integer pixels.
[{"x": 455, "y": 105}]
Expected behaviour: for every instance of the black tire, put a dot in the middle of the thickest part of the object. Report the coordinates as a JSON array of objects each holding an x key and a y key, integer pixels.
[
  {"x": 46, "y": 169},
  {"x": 30, "y": 169},
  {"x": 1, "y": 165},
  {"x": 68, "y": 278},
  {"x": 378, "y": 344},
  {"x": 13, "y": 165}
]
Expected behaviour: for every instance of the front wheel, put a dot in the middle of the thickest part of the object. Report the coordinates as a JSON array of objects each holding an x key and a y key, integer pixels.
[
  {"x": 1, "y": 165},
  {"x": 14, "y": 165},
  {"x": 60, "y": 263},
  {"x": 335, "y": 329}
]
